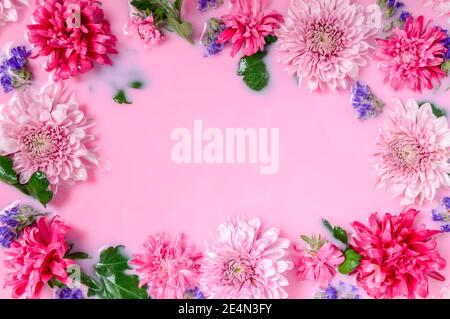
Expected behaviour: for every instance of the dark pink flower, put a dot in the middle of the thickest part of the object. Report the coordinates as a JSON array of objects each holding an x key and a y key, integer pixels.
[
  {"x": 397, "y": 257},
  {"x": 247, "y": 24},
  {"x": 37, "y": 257},
  {"x": 73, "y": 34}
]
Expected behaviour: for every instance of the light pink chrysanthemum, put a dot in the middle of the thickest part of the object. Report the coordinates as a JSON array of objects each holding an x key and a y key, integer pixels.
[
  {"x": 37, "y": 257},
  {"x": 326, "y": 42},
  {"x": 413, "y": 152},
  {"x": 397, "y": 256},
  {"x": 143, "y": 29},
  {"x": 247, "y": 24},
  {"x": 167, "y": 266},
  {"x": 443, "y": 6},
  {"x": 46, "y": 131},
  {"x": 73, "y": 34},
  {"x": 245, "y": 260},
  {"x": 413, "y": 56},
  {"x": 8, "y": 10},
  {"x": 318, "y": 264}
]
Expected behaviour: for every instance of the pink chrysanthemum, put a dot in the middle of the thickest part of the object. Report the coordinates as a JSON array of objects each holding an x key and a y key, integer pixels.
[
  {"x": 247, "y": 24},
  {"x": 8, "y": 10},
  {"x": 143, "y": 29},
  {"x": 245, "y": 260},
  {"x": 167, "y": 266},
  {"x": 46, "y": 131},
  {"x": 413, "y": 152},
  {"x": 326, "y": 42},
  {"x": 37, "y": 257},
  {"x": 397, "y": 257},
  {"x": 318, "y": 263},
  {"x": 443, "y": 6},
  {"x": 73, "y": 33},
  {"x": 413, "y": 56}
]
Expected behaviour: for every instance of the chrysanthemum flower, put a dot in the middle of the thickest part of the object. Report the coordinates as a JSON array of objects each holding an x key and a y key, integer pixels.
[
  {"x": 8, "y": 10},
  {"x": 167, "y": 266},
  {"x": 73, "y": 34},
  {"x": 397, "y": 256},
  {"x": 37, "y": 257},
  {"x": 318, "y": 264},
  {"x": 143, "y": 29},
  {"x": 326, "y": 42},
  {"x": 46, "y": 131},
  {"x": 413, "y": 152},
  {"x": 413, "y": 56},
  {"x": 247, "y": 24},
  {"x": 245, "y": 260}
]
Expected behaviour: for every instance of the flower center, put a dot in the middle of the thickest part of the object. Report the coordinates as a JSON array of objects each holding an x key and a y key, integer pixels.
[
  {"x": 237, "y": 271},
  {"x": 406, "y": 152},
  {"x": 323, "y": 38}
]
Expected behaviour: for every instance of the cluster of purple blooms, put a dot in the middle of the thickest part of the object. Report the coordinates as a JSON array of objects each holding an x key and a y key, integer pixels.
[
  {"x": 14, "y": 221},
  {"x": 340, "y": 291},
  {"x": 204, "y": 5},
  {"x": 193, "y": 293},
  {"x": 69, "y": 293},
  {"x": 442, "y": 214},
  {"x": 213, "y": 28},
  {"x": 365, "y": 103},
  {"x": 14, "y": 73}
]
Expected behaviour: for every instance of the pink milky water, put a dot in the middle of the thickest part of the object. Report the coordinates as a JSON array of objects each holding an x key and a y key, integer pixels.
[{"x": 325, "y": 152}]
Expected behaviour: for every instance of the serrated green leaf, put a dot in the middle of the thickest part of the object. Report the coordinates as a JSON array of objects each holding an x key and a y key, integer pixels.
[
  {"x": 7, "y": 173},
  {"x": 340, "y": 234},
  {"x": 121, "y": 98},
  {"x": 114, "y": 283},
  {"x": 352, "y": 259},
  {"x": 38, "y": 187}
]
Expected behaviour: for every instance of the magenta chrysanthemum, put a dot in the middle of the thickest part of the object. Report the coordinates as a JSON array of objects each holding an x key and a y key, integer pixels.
[
  {"x": 326, "y": 42},
  {"x": 397, "y": 256},
  {"x": 247, "y": 24},
  {"x": 73, "y": 34},
  {"x": 245, "y": 260},
  {"x": 413, "y": 56},
  {"x": 413, "y": 152},
  {"x": 46, "y": 131},
  {"x": 167, "y": 266}
]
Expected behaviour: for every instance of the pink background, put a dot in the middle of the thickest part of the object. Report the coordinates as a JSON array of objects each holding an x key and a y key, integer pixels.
[{"x": 325, "y": 152}]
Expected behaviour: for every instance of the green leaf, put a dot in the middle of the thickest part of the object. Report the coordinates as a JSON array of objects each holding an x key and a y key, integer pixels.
[
  {"x": 306, "y": 239},
  {"x": 446, "y": 66},
  {"x": 340, "y": 234},
  {"x": 178, "y": 4},
  {"x": 121, "y": 98},
  {"x": 77, "y": 256},
  {"x": 327, "y": 224},
  {"x": 38, "y": 187},
  {"x": 7, "y": 173},
  {"x": 352, "y": 259},
  {"x": 183, "y": 28},
  {"x": 437, "y": 111},
  {"x": 270, "y": 39},
  {"x": 113, "y": 282},
  {"x": 137, "y": 85}
]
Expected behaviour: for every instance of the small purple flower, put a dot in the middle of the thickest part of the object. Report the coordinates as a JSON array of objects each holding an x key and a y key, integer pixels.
[
  {"x": 204, "y": 5},
  {"x": 404, "y": 15},
  {"x": 446, "y": 202},
  {"x": 330, "y": 292},
  {"x": 6, "y": 83},
  {"x": 69, "y": 293},
  {"x": 399, "y": 5},
  {"x": 193, "y": 293},
  {"x": 391, "y": 3},
  {"x": 436, "y": 216},
  {"x": 445, "y": 228},
  {"x": 7, "y": 236},
  {"x": 214, "y": 47},
  {"x": 14, "y": 73},
  {"x": 211, "y": 32},
  {"x": 364, "y": 102}
]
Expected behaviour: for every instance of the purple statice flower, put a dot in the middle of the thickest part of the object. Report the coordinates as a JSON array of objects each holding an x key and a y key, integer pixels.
[
  {"x": 7, "y": 236},
  {"x": 330, "y": 292},
  {"x": 213, "y": 28},
  {"x": 364, "y": 102},
  {"x": 14, "y": 73},
  {"x": 341, "y": 291},
  {"x": 69, "y": 293},
  {"x": 436, "y": 216},
  {"x": 404, "y": 15},
  {"x": 204, "y": 5},
  {"x": 445, "y": 203},
  {"x": 193, "y": 293},
  {"x": 445, "y": 228}
]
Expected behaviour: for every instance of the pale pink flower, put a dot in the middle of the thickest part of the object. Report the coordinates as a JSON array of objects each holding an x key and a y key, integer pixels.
[
  {"x": 413, "y": 152},
  {"x": 397, "y": 256},
  {"x": 143, "y": 29},
  {"x": 37, "y": 257},
  {"x": 412, "y": 56},
  {"x": 326, "y": 42},
  {"x": 245, "y": 260},
  {"x": 443, "y": 6},
  {"x": 8, "y": 10},
  {"x": 247, "y": 24},
  {"x": 167, "y": 266},
  {"x": 318, "y": 264},
  {"x": 73, "y": 34},
  {"x": 46, "y": 131}
]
